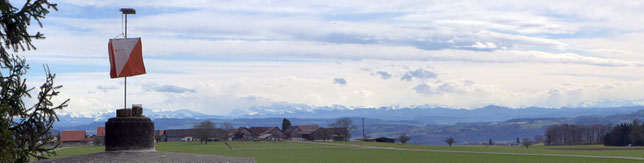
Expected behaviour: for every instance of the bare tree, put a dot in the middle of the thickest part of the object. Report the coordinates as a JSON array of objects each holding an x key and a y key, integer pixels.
[
  {"x": 227, "y": 126},
  {"x": 576, "y": 134},
  {"x": 538, "y": 138},
  {"x": 343, "y": 124},
  {"x": 526, "y": 142},
  {"x": 403, "y": 138},
  {"x": 449, "y": 141},
  {"x": 322, "y": 133},
  {"x": 204, "y": 130}
]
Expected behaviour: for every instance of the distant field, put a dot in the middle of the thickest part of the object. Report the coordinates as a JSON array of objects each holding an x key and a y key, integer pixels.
[{"x": 357, "y": 152}]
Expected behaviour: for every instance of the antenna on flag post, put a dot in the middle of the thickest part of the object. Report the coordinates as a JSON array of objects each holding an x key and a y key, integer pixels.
[{"x": 126, "y": 11}]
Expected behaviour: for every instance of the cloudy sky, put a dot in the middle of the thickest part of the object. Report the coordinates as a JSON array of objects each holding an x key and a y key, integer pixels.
[{"x": 218, "y": 56}]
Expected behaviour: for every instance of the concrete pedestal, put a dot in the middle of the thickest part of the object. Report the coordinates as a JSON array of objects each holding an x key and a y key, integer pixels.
[{"x": 129, "y": 133}]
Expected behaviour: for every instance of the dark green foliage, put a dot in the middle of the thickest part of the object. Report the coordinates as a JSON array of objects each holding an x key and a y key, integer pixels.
[
  {"x": 285, "y": 124},
  {"x": 625, "y": 134},
  {"x": 620, "y": 135},
  {"x": 24, "y": 131},
  {"x": 449, "y": 141}
]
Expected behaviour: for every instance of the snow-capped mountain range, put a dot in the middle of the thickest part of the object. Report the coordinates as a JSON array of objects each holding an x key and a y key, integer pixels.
[
  {"x": 425, "y": 114},
  {"x": 67, "y": 119}
]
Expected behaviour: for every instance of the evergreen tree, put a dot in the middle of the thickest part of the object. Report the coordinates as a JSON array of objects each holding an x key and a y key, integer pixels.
[
  {"x": 24, "y": 130},
  {"x": 285, "y": 124}
]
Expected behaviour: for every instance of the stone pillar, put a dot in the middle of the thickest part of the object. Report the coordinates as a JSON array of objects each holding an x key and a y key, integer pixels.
[{"x": 129, "y": 133}]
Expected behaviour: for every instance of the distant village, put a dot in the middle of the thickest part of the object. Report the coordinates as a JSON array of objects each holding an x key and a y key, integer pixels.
[{"x": 273, "y": 133}]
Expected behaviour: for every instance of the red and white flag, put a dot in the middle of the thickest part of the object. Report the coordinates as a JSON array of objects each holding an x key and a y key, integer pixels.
[{"x": 126, "y": 58}]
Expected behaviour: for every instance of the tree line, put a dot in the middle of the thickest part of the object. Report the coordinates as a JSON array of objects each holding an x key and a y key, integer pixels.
[
  {"x": 619, "y": 135},
  {"x": 626, "y": 134},
  {"x": 577, "y": 134}
]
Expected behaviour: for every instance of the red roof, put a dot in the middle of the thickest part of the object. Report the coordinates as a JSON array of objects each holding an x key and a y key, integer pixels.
[
  {"x": 240, "y": 129},
  {"x": 100, "y": 131},
  {"x": 78, "y": 135},
  {"x": 269, "y": 130},
  {"x": 308, "y": 127}
]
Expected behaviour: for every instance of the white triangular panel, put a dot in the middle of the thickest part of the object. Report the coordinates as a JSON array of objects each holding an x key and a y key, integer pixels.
[{"x": 122, "y": 50}]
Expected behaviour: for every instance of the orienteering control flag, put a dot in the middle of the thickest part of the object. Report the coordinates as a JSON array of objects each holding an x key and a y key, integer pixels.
[{"x": 126, "y": 57}]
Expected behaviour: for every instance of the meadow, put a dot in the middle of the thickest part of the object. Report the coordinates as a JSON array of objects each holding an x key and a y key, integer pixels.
[{"x": 381, "y": 152}]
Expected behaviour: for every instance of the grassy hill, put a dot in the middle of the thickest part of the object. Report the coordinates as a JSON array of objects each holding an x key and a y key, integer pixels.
[{"x": 385, "y": 152}]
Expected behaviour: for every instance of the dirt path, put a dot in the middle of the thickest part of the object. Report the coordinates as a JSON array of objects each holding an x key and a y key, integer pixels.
[{"x": 496, "y": 153}]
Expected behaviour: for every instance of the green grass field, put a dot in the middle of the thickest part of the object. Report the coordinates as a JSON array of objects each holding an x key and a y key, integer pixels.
[
  {"x": 591, "y": 150},
  {"x": 355, "y": 152}
]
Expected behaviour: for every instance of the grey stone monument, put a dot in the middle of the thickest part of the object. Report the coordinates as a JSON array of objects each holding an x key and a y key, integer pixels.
[{"x": 129, "y": 131}]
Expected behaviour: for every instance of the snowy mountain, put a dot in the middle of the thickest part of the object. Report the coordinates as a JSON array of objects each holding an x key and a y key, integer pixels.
[
  {"x": 423, "y": 114},
  {"x": 67, "y": 120}
]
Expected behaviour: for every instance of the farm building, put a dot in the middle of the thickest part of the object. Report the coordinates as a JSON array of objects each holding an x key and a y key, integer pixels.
[
  {"x": 385, "y": 140},
  {"x": 179, "y": 134},
  {"x": 220, "y": 135},
  {"x": 242, "y": 134},
  {"x": 100, "y": 131},
  {"x": 296, "y": 132},
  {"x": 75, "y": 137},
  {"x": 379, "y": 139},
  {"x": 267, "y": 133},
  {"x": 99, "y": 138},
  {"x": 328, "y": 134},
  {"x": 305, "y": 132},
  {"x": 190, "y": 135},
  {"x": 368, "y": 138}
]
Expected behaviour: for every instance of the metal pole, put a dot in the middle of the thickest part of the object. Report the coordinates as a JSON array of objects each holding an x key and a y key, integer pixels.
[
  {"x": 125, "y": 79},
  {"x": 364, "y": 136}
]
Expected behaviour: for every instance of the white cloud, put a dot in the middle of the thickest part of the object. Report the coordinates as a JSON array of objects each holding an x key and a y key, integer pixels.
[{"x": 219, "y": 56}]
